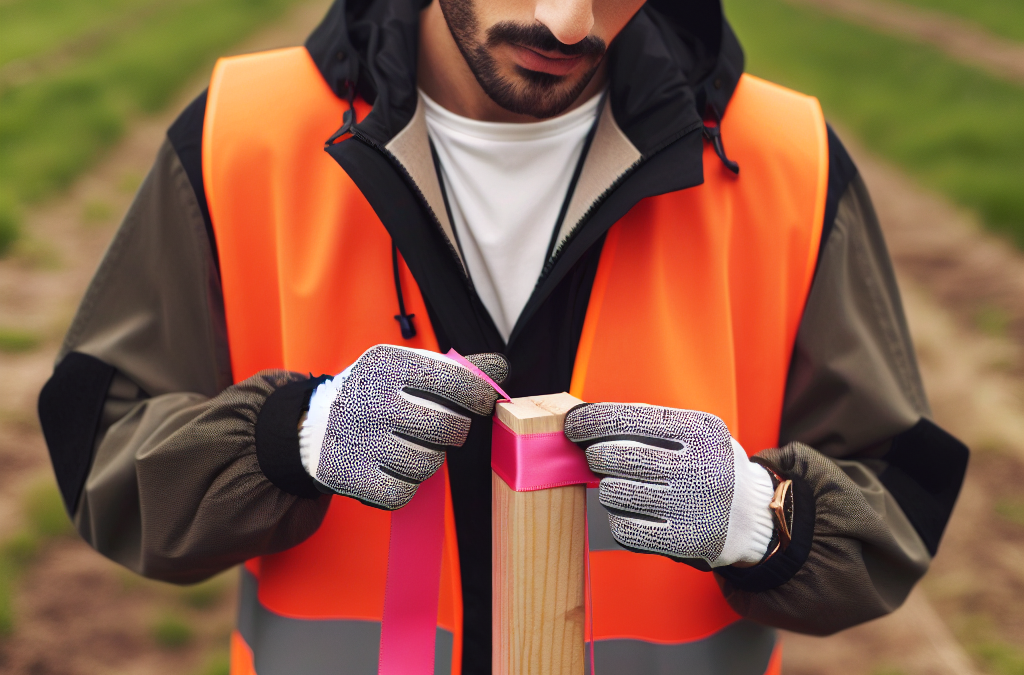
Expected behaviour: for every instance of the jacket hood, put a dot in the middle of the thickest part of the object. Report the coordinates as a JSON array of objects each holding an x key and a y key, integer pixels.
[{"x": 675, "y": 63}]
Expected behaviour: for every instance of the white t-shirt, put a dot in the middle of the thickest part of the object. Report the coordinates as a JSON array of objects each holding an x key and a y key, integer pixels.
[{"x": 505, "y": 184}]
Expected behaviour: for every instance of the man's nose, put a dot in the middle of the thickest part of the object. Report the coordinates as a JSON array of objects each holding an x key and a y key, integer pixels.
[{"x": 568, "y": 20}]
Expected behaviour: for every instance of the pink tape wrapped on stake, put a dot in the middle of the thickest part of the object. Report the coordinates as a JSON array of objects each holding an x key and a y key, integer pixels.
[{"x": 528, "y": 462}]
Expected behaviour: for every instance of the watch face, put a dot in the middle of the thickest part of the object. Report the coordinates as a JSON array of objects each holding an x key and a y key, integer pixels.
[
  {"x": 787, "y": 507},
  {"x": 782, "y": 510}
]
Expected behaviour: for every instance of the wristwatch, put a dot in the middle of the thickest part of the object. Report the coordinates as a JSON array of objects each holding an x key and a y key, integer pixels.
[{"x": 781, "y": 506}]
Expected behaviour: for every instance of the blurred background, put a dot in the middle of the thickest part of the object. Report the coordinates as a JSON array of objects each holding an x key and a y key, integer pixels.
[{"x": 928, "y": 95}]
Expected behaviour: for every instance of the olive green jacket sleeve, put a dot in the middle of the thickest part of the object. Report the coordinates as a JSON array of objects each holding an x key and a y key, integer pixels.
[
  {"x": 175, "y": 490},
  {"x": 854, "y": 405}
]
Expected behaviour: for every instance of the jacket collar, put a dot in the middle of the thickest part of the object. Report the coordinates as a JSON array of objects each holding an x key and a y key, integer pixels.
[{"x": 647, "y": 141}]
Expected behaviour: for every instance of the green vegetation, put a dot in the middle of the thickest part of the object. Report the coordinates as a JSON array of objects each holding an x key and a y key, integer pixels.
[
  {"x": 7, "y": 575},
  {"x": 14, "y": 341},
  {"x": 995, "y": 655},
  {"x": 1002, "y": 17},
  {"x": 1011, "y": 510},
  {"x": 999, "y": 658},
  {"x": 73, "y": 74},
  {"x": 10, "y": 226},
  {"x": 219, "y": 664},
  {"x": 44, "y": 509},
  {"x": 45, "y": 519},
  {"x": 129, "y": 183},
  {"x": 36, "y": 28},
  {"x": 956, "y": 129},
  {"x": 994, "y": 321},
  {"x": 97, "y": 211},
  {"x": 36, "y": 253},
  {"x": 206, "y": 594},
  {"x": 172, "y": 632}
]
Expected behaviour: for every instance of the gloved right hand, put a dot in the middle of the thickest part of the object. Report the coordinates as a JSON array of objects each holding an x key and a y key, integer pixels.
[
  {"x": 382, "y": 426},
  {"x": 675, "y": 483}
]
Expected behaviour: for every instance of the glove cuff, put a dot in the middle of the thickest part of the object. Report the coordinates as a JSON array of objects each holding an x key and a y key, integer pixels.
[
  {"x": 750, "y": 518},
  {"x": 314, "y": 427},
  {"x": 277, "y": 438}
]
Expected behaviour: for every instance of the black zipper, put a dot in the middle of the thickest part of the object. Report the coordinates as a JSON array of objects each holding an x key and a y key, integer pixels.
[
  {"x": 419, "y": 194},
  {"x": 577, "y": 170},
  {"x": 549, "y": 265},
  {"x": 437, "y": 224}
]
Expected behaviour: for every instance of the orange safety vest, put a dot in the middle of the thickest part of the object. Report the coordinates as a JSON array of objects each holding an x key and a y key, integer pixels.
[{"x": 716, "y": 276}]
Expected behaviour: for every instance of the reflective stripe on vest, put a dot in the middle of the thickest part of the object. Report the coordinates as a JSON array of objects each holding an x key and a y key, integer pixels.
[
  {"x": 740, "y": 648},
  {"x": 717, "y": 276},
  {"x": 284, "y": 646}
]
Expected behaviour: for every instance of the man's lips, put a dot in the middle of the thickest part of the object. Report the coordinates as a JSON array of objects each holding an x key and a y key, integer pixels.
[{"x": 552, "y": 63}]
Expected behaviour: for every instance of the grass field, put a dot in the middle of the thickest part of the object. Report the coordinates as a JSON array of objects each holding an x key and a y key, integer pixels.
[
  {"x": 46, "y": 520},
  {"x": 1001, "y": 17},
  {"x": 41, "y": 28},
  {"x": 954, "y": 128},
  {"x": 72, "y": 74}
]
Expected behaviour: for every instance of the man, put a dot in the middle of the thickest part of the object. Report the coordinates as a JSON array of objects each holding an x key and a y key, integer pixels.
[{"x": 590, "y": 188}]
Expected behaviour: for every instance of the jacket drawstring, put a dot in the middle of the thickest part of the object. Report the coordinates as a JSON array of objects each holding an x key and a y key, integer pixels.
[
  {"x": 348, "y": 121},
  {"x": 404, "y": 320},
  {"x": 348, "y": 118},
  {"x": 713, "y": 133}
]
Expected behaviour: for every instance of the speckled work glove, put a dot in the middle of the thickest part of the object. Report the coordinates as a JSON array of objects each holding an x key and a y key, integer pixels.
[
  {"x": 381, "y": 427},
  {"x": 676, "y": 483}
]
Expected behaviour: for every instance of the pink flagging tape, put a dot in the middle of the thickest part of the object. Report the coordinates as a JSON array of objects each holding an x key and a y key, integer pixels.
[
  {"x": 409, "y": 624},
  {"x": 463, "y": 361},
  {"x": 528, "y": 462},
  {"x": 588, "y": 594}
]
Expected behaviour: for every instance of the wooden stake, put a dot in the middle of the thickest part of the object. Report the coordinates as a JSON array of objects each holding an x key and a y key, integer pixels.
[{"x": 537, "y": 559}]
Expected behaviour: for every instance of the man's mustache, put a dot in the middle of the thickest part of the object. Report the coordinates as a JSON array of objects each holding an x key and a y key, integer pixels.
[{"x": 538, "y": 36}]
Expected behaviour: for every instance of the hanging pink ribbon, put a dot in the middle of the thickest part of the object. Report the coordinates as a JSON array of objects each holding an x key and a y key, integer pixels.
[
  {"x": 409, "y": 625},
  {"x": 471, "y": 367}
]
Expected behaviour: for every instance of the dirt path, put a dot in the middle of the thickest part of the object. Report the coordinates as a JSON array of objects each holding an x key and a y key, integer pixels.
[
  {"x": 960, "y": 39},
  {"x": 979, "y": 280}
]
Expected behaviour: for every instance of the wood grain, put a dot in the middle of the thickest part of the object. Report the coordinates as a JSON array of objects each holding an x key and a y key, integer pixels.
[{"x": 537, "y": 565}]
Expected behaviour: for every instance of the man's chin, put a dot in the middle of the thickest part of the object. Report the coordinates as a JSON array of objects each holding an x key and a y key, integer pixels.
[
  {"x": 535, "y": 104},
  {"x": 541, "y": 80},
  {"x": 537, "y": 94}
]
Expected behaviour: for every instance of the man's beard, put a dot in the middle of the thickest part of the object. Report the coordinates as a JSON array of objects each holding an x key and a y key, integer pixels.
[{"x": 538, "y": 94}]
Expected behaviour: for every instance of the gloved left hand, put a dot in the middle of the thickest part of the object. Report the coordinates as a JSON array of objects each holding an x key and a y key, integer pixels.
[
  {"x": 382, "y": 426},
  {"x": 676, "y": 483}
]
